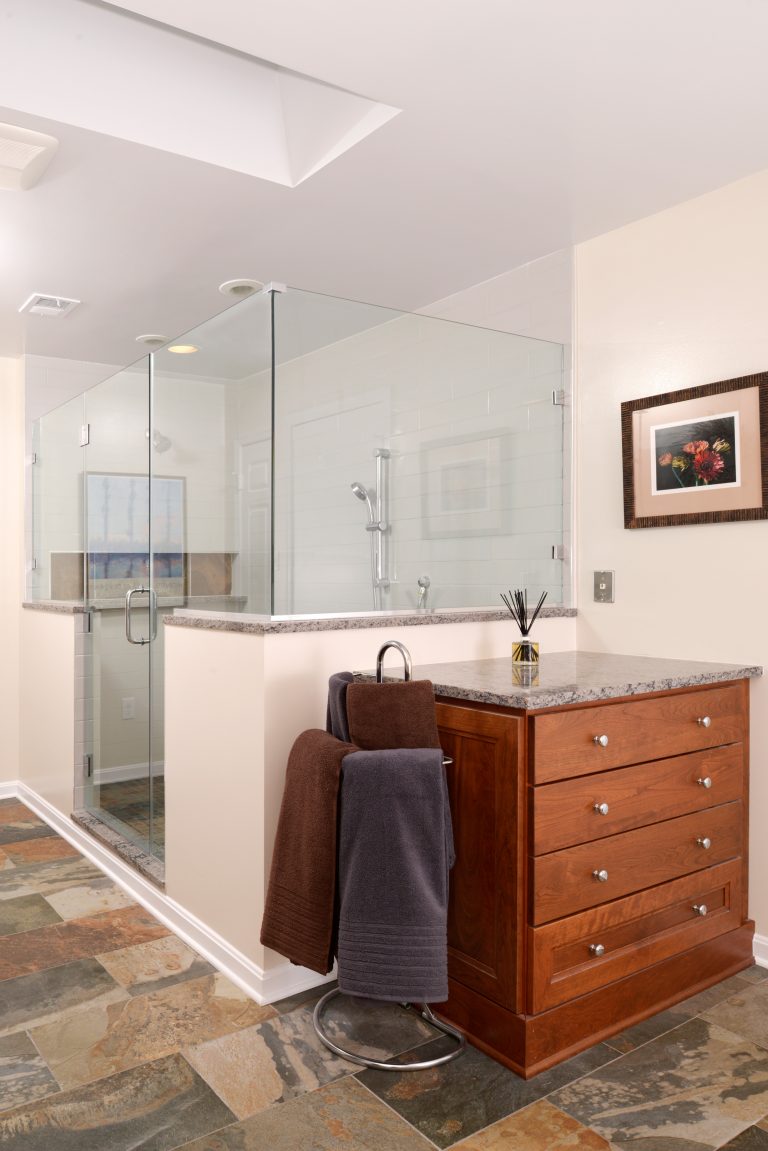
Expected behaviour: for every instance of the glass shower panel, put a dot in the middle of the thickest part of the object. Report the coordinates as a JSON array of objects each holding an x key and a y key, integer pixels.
[
  {"x": 57, "y": 504},
  {"x": 448, "y": 436},
  {"x": 213, "y": 437},
  {"x": 126, "y": 721}
]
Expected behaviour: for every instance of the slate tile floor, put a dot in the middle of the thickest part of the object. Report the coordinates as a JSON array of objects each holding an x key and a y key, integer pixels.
[
  {"x": 129, "y": 802},
  {"x": 116, "y": 1036}
]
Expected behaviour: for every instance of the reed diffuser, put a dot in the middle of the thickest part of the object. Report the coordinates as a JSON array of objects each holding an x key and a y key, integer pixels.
[{"x": 524, "y": 650}]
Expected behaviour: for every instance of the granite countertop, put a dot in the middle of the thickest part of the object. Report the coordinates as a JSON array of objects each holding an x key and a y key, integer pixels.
[
  {"x": 562, "y": 678},
  {"x": 270, "y": 625}
]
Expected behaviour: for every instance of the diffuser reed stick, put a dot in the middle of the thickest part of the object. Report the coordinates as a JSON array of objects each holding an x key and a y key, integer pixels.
[{"x": 517, "y": 605}]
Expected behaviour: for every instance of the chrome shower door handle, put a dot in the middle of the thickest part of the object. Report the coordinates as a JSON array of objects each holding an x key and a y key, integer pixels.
[
  {"x": 128, "y": 614},
  {"x": 152, "y": 614}
]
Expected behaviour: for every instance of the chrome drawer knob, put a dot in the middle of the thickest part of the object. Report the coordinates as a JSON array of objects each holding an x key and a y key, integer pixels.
[
  {"x": 601, "y": 876},
  {"x": 596, "y": 949},
  {"x": 700, "y": 908},
  {"x": 601, "y": 808},
  {"x": 704, "y": 841},
  {"x": 704, "y": 721},
  {"x": 600, "y": 740},
  {"x": 705, "y": 782}
]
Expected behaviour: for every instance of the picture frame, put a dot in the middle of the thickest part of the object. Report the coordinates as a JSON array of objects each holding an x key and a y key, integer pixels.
[{"x": 698, "y": 455}]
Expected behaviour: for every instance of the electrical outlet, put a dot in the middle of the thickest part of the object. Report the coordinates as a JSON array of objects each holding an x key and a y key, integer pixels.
[
  {"x": 604, "y": 587},
  {"x": 129, "y": 707}
]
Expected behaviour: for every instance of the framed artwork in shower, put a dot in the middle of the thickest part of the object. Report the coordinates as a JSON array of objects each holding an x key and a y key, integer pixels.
[
  {"x": 463, "y": 485},
  {"x": 697, "y": 456},
  {"x": 120, "y": 530}
]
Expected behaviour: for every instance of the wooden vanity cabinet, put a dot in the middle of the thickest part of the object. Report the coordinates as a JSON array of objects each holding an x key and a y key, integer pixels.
[{"x": 601, "y": 870}]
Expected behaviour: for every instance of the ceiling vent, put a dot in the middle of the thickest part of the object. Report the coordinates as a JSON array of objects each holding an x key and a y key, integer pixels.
[
  {"x": 24, "y": 156},
  {"x": 39, "y": 304}
]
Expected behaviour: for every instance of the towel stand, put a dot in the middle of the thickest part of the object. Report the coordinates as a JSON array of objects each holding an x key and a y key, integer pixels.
[
  {"x": 423, "y": 1065},
  {"x": 426, "y": 1012}
]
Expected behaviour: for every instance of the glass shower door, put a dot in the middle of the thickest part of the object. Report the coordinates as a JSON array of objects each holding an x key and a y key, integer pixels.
[{"x": 124, "y": 787}]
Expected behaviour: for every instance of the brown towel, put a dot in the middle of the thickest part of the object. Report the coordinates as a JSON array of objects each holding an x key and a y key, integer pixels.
[
  {"x": 299, "y": 913},
  {"x": 389, "y": 715}
]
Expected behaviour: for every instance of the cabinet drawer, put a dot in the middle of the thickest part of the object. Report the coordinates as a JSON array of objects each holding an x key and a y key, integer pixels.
[
  {"x": 634, "y": 932},
  {"x": 573, "y": 811},
  {"x": 566, "y": 743},
  {"x": 568, "y": 881}
]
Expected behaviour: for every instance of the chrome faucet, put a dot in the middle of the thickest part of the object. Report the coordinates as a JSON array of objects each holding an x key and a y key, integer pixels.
[{"x": 424, "y": 582}]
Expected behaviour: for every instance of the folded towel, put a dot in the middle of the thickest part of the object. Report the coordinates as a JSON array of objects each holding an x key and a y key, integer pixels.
[
  {"x": 299, "y": 913},
  {"x": 389, "y": 715},
  {"x": 336, "y": 716},
  {"x": 395, "y": 849}
]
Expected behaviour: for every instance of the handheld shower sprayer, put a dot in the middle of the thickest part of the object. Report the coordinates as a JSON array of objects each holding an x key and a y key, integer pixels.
[{"x": 362, "y": 493}]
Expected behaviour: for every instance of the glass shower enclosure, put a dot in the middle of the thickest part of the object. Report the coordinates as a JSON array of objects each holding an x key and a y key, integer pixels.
[{"x": 294, "y": 455}]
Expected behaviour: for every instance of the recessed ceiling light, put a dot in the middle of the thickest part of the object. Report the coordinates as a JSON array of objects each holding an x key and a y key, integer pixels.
[
  {"x": 240, "y": 287},
  {"x": 152, "y": 341},
  {"x": 183, "y": 349}
]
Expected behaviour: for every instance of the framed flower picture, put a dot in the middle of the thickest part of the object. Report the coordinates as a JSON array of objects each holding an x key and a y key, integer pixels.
[{"x": 697, "y": 456}]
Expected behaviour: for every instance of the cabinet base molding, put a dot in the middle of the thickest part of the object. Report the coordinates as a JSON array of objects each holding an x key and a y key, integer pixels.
[{"x": 529, "y": 1044}]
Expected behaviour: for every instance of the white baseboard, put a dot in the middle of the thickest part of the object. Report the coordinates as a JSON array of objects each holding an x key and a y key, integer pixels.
[
  {"x": 760, "y": 950},
  {"x": 124, "y": 772},
  {"x": 265, "y": 986}
]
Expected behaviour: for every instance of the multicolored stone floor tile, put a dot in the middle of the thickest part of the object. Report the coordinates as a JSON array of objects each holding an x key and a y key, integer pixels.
[
  {"x": 696, "y": 1087},
  {"x": 39, "y": 850},
  {"x": 17, "y": 823},
  {"x": 453, "y": 1101},
  {"x": 751, "y": 1139},
  {"x": 151, "y": 966},
  {"x": 745, "y": 1013},
  {"x": 540, "y": 1127},
  {"x": 48, "y": 996},
  {"x": 89, "y": 899},
  {"x": 103, "y": 1040},
  {"x": 342, "y": 1116},
  {"x": 116, "y": 1036},
  {"x": 25, "y": 913},
  {"x": 48, "y": 877},
  {"x": 283, "y": 1058},
  {"x": 157, "y": 1106},
  {"x": 24, "y": 1075},
  {"x": 667, "y": 1020},
  {"x": 76, "y": 939}
]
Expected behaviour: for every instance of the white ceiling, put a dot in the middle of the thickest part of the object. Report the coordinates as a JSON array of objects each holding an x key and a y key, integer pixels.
[{"x": 526, "y": 125}]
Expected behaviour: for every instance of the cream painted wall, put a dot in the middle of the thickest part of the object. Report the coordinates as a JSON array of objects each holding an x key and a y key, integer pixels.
[
  {"x": 234, "y": 705},
  {"x": 214, "y": 779},
  {"x": 675, "y": 300},
  {"x": 47, "y": 706},
  {"x": 11, "y": 562}
]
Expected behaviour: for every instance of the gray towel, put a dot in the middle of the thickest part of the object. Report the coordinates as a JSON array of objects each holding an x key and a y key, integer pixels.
[
  {"x": 336, "y": 716},
  {"x": 395, "y": 849}
]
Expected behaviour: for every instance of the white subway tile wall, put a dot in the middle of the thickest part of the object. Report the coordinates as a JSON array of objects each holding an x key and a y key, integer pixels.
[{"x": 476, "y": 468}]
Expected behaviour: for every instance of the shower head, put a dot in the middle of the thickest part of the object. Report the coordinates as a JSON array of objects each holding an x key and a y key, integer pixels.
[{"x": 362, "y": 493}]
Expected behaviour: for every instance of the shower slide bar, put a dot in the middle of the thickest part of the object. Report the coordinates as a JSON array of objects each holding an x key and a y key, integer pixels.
[{"x": 426, "y": 1012}]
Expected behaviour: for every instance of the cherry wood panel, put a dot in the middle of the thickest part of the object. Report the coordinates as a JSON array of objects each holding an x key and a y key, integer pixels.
[
  {"x": 563, "y": 742},
  {"x": 565, "y": 881},
  {"x": 635, "y": 932},
  {"x": 486, "y": 914},
  {"x": 566, "y": 813},
  {"x": 530, "y": 1044}
]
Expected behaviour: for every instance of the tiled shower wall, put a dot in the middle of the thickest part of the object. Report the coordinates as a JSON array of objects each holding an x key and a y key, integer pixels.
[{"x": 475, "y": 473}]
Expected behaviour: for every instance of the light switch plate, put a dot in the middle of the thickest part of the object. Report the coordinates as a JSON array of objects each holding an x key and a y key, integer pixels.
[{"x": 604, "y": 587}]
